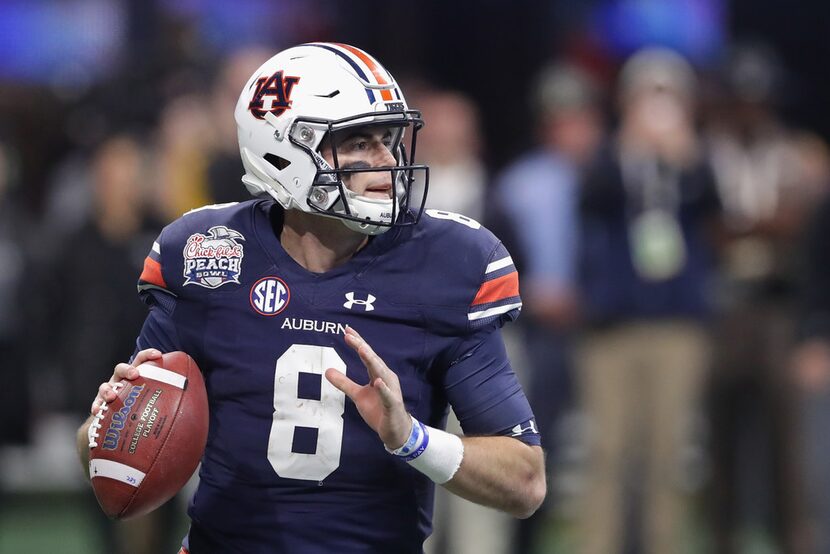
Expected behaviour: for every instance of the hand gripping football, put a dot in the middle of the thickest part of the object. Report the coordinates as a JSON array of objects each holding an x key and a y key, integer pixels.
[{"x": 145, "y": 445}]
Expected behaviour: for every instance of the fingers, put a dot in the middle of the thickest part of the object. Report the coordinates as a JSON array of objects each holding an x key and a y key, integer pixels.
[
  {"x": 387, "y": 397},
  {"x": 373, "y": 362},
  {"x": 375, "y": 365},
  {"x": 128, "y": 371},
  {"x": 342, "y": 382},
  {"x": 124, "y": 371},
  {"x": 107, "y": 392},
  {"x": 146, "y": 355}
]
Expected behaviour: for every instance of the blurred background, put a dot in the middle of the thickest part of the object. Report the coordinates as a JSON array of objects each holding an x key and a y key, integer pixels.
[{"x": 658, "y": 169}]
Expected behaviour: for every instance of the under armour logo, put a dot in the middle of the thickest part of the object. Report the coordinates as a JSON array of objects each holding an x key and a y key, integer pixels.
[
  {"x": 367, "y": 304},
  {"x": 519, "y": 430}
]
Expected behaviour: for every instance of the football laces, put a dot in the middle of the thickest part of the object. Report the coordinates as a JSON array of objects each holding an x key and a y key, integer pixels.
[{"x": 92, "y": 432}]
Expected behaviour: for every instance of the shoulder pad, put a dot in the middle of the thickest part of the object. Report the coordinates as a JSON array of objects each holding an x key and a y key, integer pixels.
[
  {"x": 463, "y": 268},
  {"x": 204, "y": 247}
]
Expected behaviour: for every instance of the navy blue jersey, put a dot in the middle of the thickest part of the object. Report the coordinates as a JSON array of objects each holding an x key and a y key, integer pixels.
[{"x": 290, "y": 466}]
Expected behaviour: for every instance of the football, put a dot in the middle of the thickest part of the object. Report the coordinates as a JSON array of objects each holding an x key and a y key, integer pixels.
[{"x": 146, "y": 444}]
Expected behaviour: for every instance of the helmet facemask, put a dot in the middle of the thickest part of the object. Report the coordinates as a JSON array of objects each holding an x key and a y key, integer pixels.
[{"x": 330, "y": 194}]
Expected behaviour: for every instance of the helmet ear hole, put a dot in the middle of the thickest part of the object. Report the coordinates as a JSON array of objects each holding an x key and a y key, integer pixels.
[{"x": 277, "y": 161}]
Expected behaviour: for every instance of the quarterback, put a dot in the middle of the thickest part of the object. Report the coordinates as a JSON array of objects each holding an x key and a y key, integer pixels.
[{"x": 335, "y": 325}]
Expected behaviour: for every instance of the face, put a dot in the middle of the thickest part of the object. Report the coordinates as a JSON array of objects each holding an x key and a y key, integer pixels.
[{"x": 362, "y": 148}]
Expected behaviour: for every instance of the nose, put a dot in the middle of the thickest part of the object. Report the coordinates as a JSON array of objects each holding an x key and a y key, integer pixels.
[{"x": 384, "y": 157}]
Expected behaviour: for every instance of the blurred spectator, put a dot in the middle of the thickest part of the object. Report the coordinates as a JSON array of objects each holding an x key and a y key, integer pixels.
[
  {"x": 646, "y": 207},
  {"x": 94, "y": 328},
  {"x": 769, "y": 177},
  {"x": 96, "y": 264},
  {"x": 538, "y": 197},
  {"x": 811, "y": 365},
  {"x": 198, "y": 153},
  {"x": 14, "y": 314},
  {"x": 450, "y": 144},
  {"x": 225, "y": 169},
  {"x": 184, "y": 144}
]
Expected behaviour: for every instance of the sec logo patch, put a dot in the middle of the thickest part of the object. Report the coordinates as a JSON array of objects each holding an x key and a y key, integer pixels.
[{"x": 270, "y": 296}]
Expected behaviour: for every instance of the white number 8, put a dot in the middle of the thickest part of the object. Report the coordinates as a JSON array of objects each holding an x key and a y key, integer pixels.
[{"x": 291, "y": 411}]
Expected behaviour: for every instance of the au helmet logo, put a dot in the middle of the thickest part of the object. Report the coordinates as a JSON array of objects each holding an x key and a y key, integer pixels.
[
  {"x": 270, "y": 296},
  {"x": 352, "y": 301},
  {"x": 277, "y": 90}
]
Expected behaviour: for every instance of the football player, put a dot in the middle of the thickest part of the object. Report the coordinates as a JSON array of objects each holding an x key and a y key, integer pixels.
[{"x": 335, "y": 324}]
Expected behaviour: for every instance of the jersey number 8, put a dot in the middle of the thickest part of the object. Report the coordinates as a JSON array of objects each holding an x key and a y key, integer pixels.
[
  {"x": 452, "y": 216},
  {"x": 299, "y": 410}
]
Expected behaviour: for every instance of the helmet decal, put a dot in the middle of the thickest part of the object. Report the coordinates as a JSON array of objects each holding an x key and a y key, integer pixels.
[
  {"x": 374, "y": 67},
  {"x": 278, "y": 89},
  {"x": 360, "y": 60},
  {"x": 351, "y": 62}
]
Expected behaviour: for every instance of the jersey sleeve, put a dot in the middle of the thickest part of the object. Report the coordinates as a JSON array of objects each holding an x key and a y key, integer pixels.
[
  {"x": 458, "y": 273},
  {"x": 484, "y": 392},
  {"x": 497, "y": 299},
  {"x": 482, "y": 285},
  {"x": 157, "y": 292},
  {"x": 172, "y": 322},
  {"x": 159, "y": 329},
  {"x": 163, "y": 257},
  {"x": 152, "y": 276}
]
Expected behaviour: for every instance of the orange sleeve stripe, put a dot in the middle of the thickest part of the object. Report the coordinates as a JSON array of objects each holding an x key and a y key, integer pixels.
[
  {"x": 506, "y": 286},
  {"x": 152, "y": 273},
  {"x": 373, "y": 67}
]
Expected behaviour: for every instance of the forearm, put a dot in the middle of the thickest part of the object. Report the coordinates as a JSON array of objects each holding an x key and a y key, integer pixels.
[
  {"x": 503, "y": 473},
  {"x": 82, "y": 444},
  {"x": 497, "y": 471}
]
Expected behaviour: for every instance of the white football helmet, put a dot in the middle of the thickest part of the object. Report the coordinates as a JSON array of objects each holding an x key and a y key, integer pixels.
[{"x": 315, "y": 91}]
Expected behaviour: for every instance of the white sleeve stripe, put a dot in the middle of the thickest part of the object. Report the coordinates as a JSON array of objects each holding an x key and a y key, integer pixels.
[
  {"x": 493, "y": 311},
  {"x": 162, "y": 375},
  {"x": 212, "y": 207},
  {"x": 156, "y": 248},
  {"x": 115, "y": 470},
  {"x": 499, "y": 264}
]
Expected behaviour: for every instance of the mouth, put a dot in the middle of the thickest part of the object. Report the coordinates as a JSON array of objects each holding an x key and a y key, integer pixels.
[{"x": 383, "y": 191}]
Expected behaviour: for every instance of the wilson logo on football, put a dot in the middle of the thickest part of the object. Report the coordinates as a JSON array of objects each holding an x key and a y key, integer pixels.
[
  {"x": 214, "y": 259},
  {"x": 112, "y": 435},
  {"x": 276, "y": 90},
  {"x": 270, "y": 296}
]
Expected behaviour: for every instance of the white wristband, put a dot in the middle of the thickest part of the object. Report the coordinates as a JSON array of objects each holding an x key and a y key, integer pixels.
[
  {"x": 435, "y": 453},
  {"x": 442, "y": 456}
]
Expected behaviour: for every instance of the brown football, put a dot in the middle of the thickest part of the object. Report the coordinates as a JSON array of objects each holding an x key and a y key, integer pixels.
[{"x": 146, "y": 444}]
